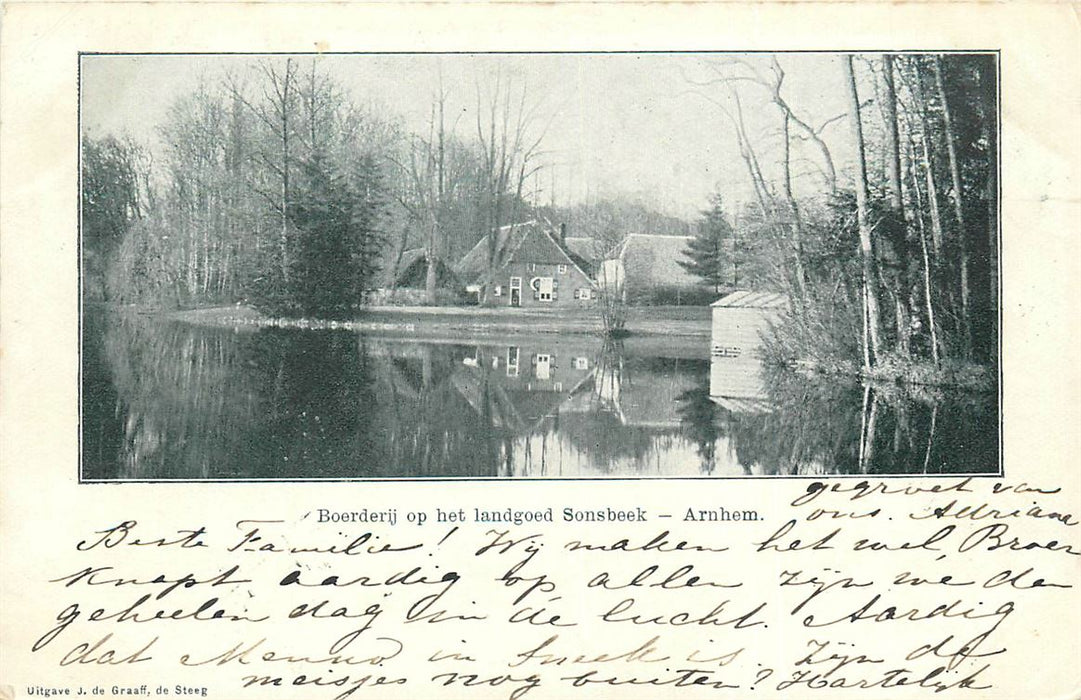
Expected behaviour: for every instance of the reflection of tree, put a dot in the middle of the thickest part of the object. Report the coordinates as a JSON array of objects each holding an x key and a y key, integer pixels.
[
  {"x": 837, "y": 427},
  {"x": 194, "y": 402},
  {"x": 697, "y": 414},
  {"x": 183, "y": 399},
  {"x": 321, "y": 406},
  {"x": 102, "y": 432},
  {"x": 605, "y": 440}
]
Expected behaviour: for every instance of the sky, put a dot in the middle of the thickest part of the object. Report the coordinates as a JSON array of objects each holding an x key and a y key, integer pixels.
[{"x": 639, "y": 126}]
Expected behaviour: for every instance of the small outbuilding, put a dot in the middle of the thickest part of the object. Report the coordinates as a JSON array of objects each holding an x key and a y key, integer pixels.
[
  {"x": 739, "y": 319},
  {"x": 412, "y": 271}
]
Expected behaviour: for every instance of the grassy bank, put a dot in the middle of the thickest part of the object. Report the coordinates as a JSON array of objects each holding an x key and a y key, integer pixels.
[{"x": 423, "y": 321}]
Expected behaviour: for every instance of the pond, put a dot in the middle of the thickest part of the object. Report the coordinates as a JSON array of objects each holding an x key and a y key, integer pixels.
[{"x": 168, "y": 400}]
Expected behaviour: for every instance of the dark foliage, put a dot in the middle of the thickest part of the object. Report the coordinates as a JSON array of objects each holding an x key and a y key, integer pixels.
[
  {"x": 336, "y": 237},
  {"x": 709, "y": 255}
]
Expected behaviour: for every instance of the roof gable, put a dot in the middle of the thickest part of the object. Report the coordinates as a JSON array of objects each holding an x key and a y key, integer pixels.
[
  {"x": 475, "y": 262},
  {"x": 538, "y": 246},
  {"x": 529, "y": 242}
]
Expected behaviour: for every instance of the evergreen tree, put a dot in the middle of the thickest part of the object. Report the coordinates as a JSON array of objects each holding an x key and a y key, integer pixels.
[
  {"x": 708, "y": 253},
  {"x": 337, "y": 221}
]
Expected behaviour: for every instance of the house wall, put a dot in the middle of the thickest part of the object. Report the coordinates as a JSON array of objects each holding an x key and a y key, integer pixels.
[{"x": 565, "y": 285}]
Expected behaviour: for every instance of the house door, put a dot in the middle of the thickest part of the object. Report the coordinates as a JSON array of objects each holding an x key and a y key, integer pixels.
[{"x": 515, "y": 291}]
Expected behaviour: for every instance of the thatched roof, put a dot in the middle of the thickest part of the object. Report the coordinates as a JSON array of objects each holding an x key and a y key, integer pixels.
[
  {"x": 587, "y": 248},
  {"x": 530, "y": 242},
  {"x": 413, "y": 268},
  {"x": 653, "y": 260}
]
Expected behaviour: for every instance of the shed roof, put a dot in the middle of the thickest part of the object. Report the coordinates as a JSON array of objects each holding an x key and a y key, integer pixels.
[
  {"x": 411, "y": 256},
  {"x": 752, "y": 300}
]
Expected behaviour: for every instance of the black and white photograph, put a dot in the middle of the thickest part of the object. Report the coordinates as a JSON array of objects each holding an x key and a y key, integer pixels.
[{"x": 350, "y": 266}]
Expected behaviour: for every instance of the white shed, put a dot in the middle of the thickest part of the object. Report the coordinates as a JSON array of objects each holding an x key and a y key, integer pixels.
[{"x": 738, "y": 322}]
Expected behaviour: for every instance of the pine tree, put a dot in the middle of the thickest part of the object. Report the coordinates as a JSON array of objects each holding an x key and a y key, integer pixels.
[
  {"x": 337, "y": 218},
  {"x": 708, "y": 253}
]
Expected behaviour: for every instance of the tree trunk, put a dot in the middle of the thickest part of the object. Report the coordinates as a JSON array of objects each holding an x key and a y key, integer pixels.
[
  {"x": 958, "y": 206},
  {"x": 931, "y": 323},
  {"x": 795, "y": 226},
  {"x": 866, "y": 248},
  {"x": 430, "y": 275},
  {"x": 989, "y": 127},
  {"x": 811, "y": 134},
  {"x": 916, "y": 88},
  {"x": 898, "y": 233},
  {"x": 893, "y": 152},
  {"x": 285, "y": 192}
]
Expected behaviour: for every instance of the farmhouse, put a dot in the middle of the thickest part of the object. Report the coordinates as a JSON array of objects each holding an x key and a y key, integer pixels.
[{"x": 532, "y": 267}]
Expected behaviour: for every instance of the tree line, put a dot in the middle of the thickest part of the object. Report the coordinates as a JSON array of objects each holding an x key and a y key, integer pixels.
[
  {"x": 886, "y": 259},
  {"x": 275, "y": 186}
]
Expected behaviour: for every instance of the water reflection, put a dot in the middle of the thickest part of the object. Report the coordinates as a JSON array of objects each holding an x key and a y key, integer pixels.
[{"x": 174, "y": 401}]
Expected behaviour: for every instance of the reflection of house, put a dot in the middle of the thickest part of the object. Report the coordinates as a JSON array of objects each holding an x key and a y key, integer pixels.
[
  {"x": 739, "y": 319},
  {"x": 522, "y": 385},
  {"x": 648, "y": 266},
  {"x": 526, "y": 388},
  {"x": 532, "y": 267}
]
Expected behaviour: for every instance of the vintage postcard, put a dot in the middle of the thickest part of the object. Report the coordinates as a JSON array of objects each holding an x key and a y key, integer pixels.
[{"x": 402, "y": 351}]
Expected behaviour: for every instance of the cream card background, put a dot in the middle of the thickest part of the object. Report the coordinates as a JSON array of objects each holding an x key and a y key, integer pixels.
[{"x": 44, "y": 510}]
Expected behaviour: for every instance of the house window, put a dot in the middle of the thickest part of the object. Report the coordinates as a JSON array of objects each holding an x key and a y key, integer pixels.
[
  {"x": 532, "y": 267},
  {"x": 562, "y": 269},
  {"x": 512, "y": 360},
  {"x": 582, "y": 293},
  {"x": 581, "y": 363},
  {"x": 545, "y": 288},
  {"x": 498, "y": 290},
  {"x": 544, "y": 366},
  {"x": 557, "y": 386}
]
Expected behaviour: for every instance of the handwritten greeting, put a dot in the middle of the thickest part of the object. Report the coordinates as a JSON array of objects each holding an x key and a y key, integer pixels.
[{"x": 839, "y": 584}]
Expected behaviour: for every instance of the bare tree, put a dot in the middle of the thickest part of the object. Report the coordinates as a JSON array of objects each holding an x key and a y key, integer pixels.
[
  {"x": 426, "y": 196},
  {"x": 510, "y": 148},
  {"x": 897, "y": 225},
  {"x": 276, "y": 111},
  {"x": 741, "y": 70},
  {"x": 958, "y": 205},
  {"x": 867, "y": 259}
]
